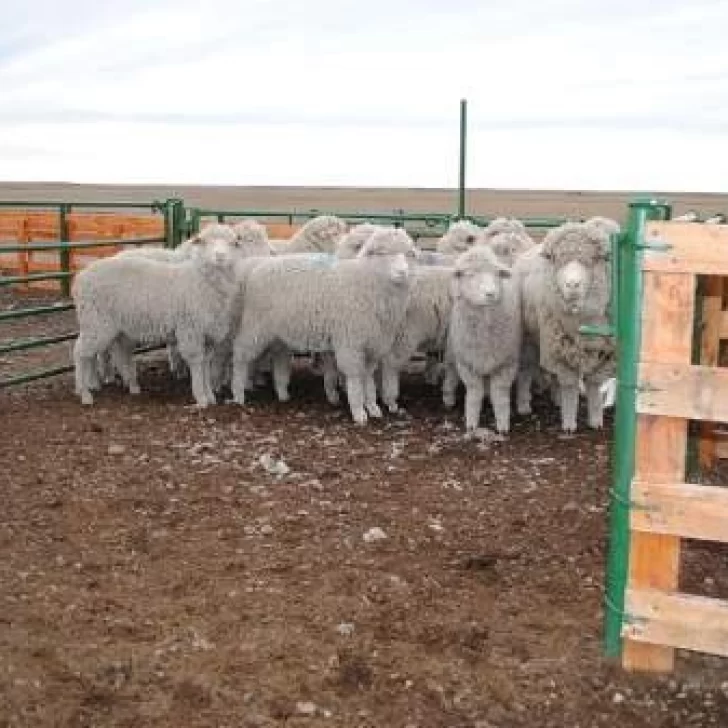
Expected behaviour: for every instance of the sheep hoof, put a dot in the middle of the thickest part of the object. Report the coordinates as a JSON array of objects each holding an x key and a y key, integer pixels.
[
  {"x": 359, "y": 417},
  {"x": 393, "y": 408},
  {"x": 333, "y": 399},
  {"x": 373, "y": 410},
  {"x": 448, "y": 402},
  {"x": 284, "y": 397},
  {"x": 87, "y": 398},
  {"x": 596, "y": 425},
  {"x": 134, "y": 389},
  {"x": 524, "y": 408}
]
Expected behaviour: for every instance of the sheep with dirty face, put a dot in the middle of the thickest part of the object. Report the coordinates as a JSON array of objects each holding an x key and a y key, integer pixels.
[
  {"x": 125, "y": 300},
  {"x": 320, "y": 234},
  {"x": 484, "y": 337},
  {"x": 565, "y": 284},
  {"x": 351, "y": 307}
]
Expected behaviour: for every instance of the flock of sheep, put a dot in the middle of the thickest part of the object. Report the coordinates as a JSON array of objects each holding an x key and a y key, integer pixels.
[{"x": 489, "y": 307}]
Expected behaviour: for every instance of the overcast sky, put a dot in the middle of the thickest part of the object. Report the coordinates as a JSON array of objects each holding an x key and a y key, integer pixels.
[{"x": 598, "y": 94}]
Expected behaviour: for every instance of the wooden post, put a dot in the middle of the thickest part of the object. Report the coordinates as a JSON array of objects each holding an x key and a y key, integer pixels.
[{"x": 709, "y": 352}]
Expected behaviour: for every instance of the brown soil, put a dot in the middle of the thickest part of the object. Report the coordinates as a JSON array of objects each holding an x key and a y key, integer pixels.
[{"x": 154, "y": 573}]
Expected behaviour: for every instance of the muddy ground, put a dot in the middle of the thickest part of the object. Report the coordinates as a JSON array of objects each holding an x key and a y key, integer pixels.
[{"x": 162, "y": 566}]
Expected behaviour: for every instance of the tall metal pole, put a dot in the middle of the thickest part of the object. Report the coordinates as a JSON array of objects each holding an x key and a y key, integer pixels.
[{"x": 463, "y": 140}]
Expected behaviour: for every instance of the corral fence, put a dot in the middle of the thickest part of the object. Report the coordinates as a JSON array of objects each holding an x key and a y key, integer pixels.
[
  {"x": 670, "y": 319},
  {"x": 669, "y": 305},
  {"x": 51, "y": 241}
]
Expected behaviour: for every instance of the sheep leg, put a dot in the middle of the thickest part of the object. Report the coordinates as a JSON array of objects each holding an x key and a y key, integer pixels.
[
  {"x": 450, "y": 385},
  {"x": 370, "y": 391},
  {"x": 122, "y": 358},
  {"x": 220, "y": 365},
  {"x": 353, "y": 366},
  {"x": 247, "y": 347},
  {"x": 390, "y": 385},
  {"x": 192, "y": 350},
  {"x": 594, "y": 404},
  {"x": 85, "y": 353},
  {"x": 282, "y": 374},
  {"x": 524, "y": 382},
  {"x": 432, "y": 368},
  {"x": 500, "y": 398},
  {"x": 569, "y": 396},
  {"x": 177, "y": 366},
  {"x": 208, "y": 355},
  {"x": 474, "y": 393},
  {"x": 331, "y": 377}
]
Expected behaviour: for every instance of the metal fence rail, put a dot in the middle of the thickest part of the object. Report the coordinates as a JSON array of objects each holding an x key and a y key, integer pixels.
[{"x": 174, "y": 216}]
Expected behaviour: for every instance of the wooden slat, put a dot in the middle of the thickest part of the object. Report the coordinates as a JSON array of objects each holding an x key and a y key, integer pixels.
[
  {"x": 654, "y": 559},
  {"x": 689, "y": 391},
  {"x": 686, "y": 510},
  {"x": 678, "y": 620},
  {"x": 695, "y": 248},
  {"x": 723, "y": 331},
  {"x": 709, "y": 352}
]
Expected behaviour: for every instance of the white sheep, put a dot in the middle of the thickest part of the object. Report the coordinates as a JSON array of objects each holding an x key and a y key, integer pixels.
[
  {"x": 318, "y": 235},
  {"x": 500, "y": 225},
  {"x": 127, "y": 299},
  {"x": 565, "y": 284},
  {"x": 351, "y": 307},
  {"x": 349, "y": 245},
  {"x": 508, "y": 246},
  {"x": 460, "y": 236},
  {"x": 425, "y": 325},
  {"x": 484, "y": 338}
]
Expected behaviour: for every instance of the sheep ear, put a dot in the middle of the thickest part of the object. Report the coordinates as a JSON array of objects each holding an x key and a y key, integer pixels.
[{"x": 548, "y": 253}]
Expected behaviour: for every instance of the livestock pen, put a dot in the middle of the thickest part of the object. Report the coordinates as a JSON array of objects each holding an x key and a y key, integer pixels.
[{"x": 169, "y": 567}]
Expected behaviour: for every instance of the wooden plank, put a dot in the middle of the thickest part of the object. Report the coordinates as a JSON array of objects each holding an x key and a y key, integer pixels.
[
  {"x": 695, "y": 248},
  {"x": 678, "y": 620},
  {"x": 723, "y": 331},
  {"x": 712, "y": 314},
  {"x": 689, "y": 391},
  {"x": 721, "y": 449},
  {"x": 686, "y": 510},
  {"x": 654, "y": 559}
]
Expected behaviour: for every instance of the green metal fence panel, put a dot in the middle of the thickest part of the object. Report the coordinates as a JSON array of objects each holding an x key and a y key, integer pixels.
[{"x": 628, "y": 329}]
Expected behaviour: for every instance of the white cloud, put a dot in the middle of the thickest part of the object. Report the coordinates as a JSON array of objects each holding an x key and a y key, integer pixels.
[{"x": 562, "y": 94}]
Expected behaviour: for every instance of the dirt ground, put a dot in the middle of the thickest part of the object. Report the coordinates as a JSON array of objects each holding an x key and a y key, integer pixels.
[{"x": 162, "y": 566}]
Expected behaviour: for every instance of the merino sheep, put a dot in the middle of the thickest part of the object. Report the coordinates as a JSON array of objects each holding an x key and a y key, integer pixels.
[
  {"x": 509, "y": 246},
  {"x": 500, "y": 225},
  {"x": 351, "y": 307},
  {"x": 606, "y": 224},
  {"x": 484, "y": 338},
  {"x": 565, "y": 283},
  {"x": 127, "y": 299},
  {"x": 460, "y": 236},
  {"x": 352, "y": 242},
  {"x": 425, "y": 324},
  {"x": 251, "y": 238},
  {"x": 319, "y": 235}
]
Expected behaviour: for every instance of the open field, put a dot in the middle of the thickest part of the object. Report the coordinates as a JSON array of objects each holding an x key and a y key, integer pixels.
[
  {"x": 155, "y": 573},
  {"x": 520, "y": 203}
]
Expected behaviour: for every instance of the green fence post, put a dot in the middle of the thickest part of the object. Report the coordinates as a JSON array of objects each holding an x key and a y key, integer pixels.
[
  {"x": 65, "y": 252},
  {"x": 463, "y": 141},
  {"x": 628, "y": 325}
]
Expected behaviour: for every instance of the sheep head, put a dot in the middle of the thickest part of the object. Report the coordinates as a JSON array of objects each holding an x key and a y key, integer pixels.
[
  {"x": 509, "y": 245},
  {"x": 351, "y": 243},
  {"x": 251, "y": 238},
  {"x": 578, "y": 254},
  {"x": 606, "y": 224},
  {"x": 323, "y": 232},
  {"x": 504, "y": 225},
  {"x": 215, "y": 243},
  {"x": 478, "y": 277},
  {"x": 460, "y": 236},
  {"x": 393, "y": 248}
]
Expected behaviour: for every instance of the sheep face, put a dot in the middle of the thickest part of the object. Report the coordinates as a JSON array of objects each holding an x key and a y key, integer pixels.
[
  {"x": 251, "y": 237},
  {"x": 478, "y": 278},
  {"x": 508, "y": 246},
  {"x": 324, "y": 231},
  {"x": 504, "y": 225},
  {"x": 460, "y": 237},
  {"x": 393, "y": 249},
  {"x": 578, "y": 253},
  {"x": 216, "y": 244}
]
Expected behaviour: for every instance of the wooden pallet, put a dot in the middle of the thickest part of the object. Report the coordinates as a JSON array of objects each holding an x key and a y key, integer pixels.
[{"x": 666, "y": 509}]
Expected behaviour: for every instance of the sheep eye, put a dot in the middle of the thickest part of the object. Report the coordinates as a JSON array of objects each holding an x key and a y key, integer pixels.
[
  {"x": 470, "y": 239},
  {"x": 458, "y": 274}
]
